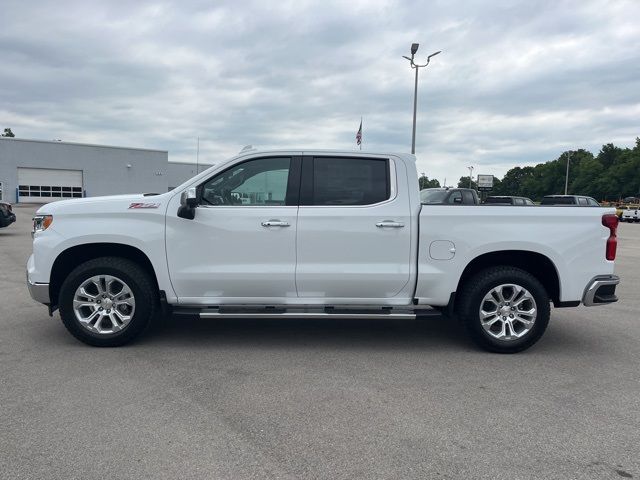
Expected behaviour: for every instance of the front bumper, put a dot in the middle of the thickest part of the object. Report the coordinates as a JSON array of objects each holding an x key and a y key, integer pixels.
[
  {"x": 39, "y": 292},
  {"x": 601, "y": 290}
]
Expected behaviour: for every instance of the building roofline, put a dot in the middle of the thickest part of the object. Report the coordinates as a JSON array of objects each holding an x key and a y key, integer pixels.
[
  {"x": 55, "y": 142},
  {"x": 202, "y": 164}
]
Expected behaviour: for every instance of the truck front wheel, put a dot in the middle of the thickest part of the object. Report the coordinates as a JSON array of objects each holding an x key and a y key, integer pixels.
[
  {"x": 107, "y": 302},
  {"x": 505, "y": 309}
]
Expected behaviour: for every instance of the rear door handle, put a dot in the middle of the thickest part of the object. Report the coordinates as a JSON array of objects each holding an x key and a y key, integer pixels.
[
  {"x": 275, "y": 223},
  {"x": 389, "y": 224}
]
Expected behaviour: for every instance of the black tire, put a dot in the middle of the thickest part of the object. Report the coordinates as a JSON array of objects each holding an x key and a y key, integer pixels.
[
  {"x": 138, "y": 280},
  {"x": 470, "y": 300}
]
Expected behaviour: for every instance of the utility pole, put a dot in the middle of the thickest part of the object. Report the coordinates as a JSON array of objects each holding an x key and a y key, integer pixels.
[
  {"x": 414, "y": 49},
  {"x": 470, "y": 175},
  {"x": 566, "y": 178}
]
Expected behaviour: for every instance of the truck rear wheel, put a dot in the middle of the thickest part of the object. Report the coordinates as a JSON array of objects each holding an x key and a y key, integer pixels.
[
  {"x": 505, "y": 309},
  {"x": 107, "y": 302}
]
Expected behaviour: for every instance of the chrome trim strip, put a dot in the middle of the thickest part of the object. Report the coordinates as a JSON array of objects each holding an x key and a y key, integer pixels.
[{"x": 590, "y": 291}]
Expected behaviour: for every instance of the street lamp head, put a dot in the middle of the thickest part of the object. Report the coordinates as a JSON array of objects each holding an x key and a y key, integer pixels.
[
  {"x": 408, "y": 58},
  {"x": 433, "y": 55},
  {"x": 414, "y": 48}
]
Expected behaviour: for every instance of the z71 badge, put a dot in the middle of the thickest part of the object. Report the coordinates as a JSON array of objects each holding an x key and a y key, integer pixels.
[{"x": 144, "y": 205}]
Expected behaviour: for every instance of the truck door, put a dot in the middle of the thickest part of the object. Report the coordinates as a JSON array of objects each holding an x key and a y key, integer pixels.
[
  {"x": 354, "y": 229},
  {"x": 241, "y": 245}
]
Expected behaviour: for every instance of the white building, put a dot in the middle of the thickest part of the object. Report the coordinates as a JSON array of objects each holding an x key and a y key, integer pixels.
[{"x": 41, "y": 171}]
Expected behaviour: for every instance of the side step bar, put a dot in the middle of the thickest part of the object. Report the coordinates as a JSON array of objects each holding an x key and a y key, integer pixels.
[
  {"x": 304, "y": 312},
  {"x": 341, "y": 315}
]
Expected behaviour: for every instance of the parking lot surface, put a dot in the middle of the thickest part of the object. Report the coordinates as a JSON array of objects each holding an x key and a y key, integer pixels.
[{"x": 334, "y": 399}]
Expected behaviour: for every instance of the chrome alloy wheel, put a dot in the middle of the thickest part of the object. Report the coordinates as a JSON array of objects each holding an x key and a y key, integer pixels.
[
  {"x": 104, "y": 304},
  {"x": 508, "y": 312}
]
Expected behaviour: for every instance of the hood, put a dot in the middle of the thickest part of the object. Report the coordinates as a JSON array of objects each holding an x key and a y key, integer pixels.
[{"x": 106, "y": 203}]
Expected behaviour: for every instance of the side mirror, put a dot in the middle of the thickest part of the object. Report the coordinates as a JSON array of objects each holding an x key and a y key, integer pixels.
[
  {"x": 188, "y": 204},
  {"x": 189, "y": 198},
  {"x": 457, "y": 200}
]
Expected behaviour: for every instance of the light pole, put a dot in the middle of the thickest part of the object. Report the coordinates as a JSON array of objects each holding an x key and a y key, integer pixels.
[
  {"x": 566, "y": 178},
  {"x": 414, "y": 49},
  {"x": 470, "y": 167}
]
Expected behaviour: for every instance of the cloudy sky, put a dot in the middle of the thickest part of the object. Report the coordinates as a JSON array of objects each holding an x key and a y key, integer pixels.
[{"x": 517, "y": 82}]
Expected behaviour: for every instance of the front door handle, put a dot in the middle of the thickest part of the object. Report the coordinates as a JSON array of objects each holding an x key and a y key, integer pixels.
[
  {"x": 275, "y": 223},
  {"x": 389, "y": 224}
]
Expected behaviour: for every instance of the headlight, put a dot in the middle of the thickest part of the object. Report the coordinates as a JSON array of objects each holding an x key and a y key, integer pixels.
[{"x": 41, "y": 223}]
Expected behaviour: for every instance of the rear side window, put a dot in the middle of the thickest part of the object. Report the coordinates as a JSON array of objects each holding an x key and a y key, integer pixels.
[
  {"x": 455, "y": 198},
  {"x": 350, "y": 181}
]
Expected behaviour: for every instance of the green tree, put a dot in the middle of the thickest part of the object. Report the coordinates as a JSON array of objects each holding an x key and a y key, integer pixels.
[
  {"x": 464, "y": 183},
  {"x": 612, "y": 174},
  {"x": 7, "y": 133},
  {"x": 424, "y": 182}
]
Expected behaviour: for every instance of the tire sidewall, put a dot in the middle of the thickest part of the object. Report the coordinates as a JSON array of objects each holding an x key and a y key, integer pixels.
[{"x": 129, "y": 273}]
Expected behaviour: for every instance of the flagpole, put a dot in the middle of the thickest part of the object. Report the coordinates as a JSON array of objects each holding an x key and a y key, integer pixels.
[{"x": 198, "y": 157}]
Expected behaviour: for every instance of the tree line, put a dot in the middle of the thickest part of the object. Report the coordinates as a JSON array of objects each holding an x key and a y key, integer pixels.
[{"x": 611, "y": 175}]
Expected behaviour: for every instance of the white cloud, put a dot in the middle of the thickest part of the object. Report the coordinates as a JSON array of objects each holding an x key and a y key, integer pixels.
[{"x": 517, "y": 82}]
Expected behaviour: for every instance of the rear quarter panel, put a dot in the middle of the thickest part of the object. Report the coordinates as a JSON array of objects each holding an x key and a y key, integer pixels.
[{"x": 573, "y": 238}]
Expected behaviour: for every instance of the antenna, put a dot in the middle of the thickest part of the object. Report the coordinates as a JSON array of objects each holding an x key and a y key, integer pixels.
[{"x": 198, "y": 157}]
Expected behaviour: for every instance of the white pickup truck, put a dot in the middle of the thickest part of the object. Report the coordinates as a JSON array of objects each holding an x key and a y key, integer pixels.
[{"x": 308, "y": 234}]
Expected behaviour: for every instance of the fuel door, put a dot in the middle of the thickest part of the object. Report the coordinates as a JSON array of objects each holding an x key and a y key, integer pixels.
[{"x": 442, "y": 250}]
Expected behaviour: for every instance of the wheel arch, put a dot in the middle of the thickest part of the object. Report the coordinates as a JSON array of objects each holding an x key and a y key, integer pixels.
[
  {"x": 537, "y": 264},
  {"x": 70, "y": 258}
]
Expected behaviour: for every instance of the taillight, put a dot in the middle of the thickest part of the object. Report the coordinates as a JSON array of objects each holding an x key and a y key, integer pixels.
[{"x": 611, "y": 222}]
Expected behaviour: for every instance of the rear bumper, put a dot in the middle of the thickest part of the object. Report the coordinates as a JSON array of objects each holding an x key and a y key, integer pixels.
[{"x": 601, "y": 290}]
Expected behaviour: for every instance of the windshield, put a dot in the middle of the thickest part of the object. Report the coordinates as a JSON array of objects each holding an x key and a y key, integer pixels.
[
  {"x": 432, "y": 195},
  {"x": 558, "y": 201}
]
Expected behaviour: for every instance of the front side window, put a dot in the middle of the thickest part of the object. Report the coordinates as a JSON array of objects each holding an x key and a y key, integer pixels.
[
  {"x": 519, "y": 201},
  {"x": 257, "y": 182},
  {"x": 432, "y": 196},
  {"x": 350, "y": 181},
  {"x": 582, "y": 201}
]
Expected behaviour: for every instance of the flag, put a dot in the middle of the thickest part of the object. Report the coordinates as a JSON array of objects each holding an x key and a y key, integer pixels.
[{"x": 359, "y": 135}]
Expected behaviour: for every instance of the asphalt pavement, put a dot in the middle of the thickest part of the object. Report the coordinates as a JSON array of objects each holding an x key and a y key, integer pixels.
[{"x": 329, "y": 399}]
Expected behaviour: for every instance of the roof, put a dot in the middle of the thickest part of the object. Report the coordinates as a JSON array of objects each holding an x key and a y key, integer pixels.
[
  {"x": 56, "y": 142},
  {"x": 320, "y": 151}
]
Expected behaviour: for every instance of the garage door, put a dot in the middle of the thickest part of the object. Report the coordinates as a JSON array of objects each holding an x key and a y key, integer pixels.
[{"x": 41, "y": 185}]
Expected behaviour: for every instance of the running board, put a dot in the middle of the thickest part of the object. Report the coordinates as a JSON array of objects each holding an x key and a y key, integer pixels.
[
  {"x": 273, "y": 315},
  {"x": 305, "y": 311}
]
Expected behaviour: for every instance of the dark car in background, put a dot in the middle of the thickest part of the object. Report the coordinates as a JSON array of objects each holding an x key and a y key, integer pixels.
[
  {"x": 7, "y": 217},
  {"x": 578, "y": 200},
  {"x": 507, "y": 200},
  {"x": 449, "y": 196}
]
